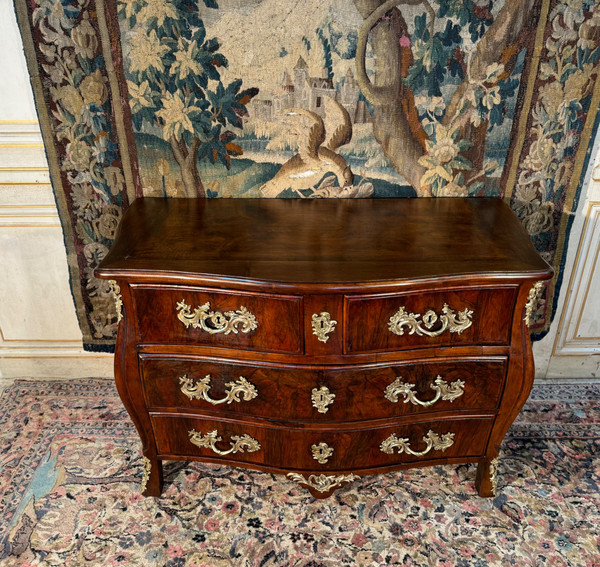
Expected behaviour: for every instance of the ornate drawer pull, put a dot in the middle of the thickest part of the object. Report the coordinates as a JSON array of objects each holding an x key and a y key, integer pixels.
[
  {"x": 447, "y": 319},
  {"x": 321, "y": 452},
  {"x": 433, "y": 440},
  {"x": 322, "y": 398},
  {"x": 323, "y": 325},
  {"x": 200, "y": 389},
  {"x": 212, "y": 438},
  {"x": 445, "y": 391},
  {"x": 219, "y": 322},
  {"x": 323, "y": 483}
]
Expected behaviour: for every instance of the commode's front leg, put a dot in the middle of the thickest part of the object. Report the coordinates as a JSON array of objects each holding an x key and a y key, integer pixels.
[
  {"x": 487, "y": 477},
  {"x": 152, "y": 476}
]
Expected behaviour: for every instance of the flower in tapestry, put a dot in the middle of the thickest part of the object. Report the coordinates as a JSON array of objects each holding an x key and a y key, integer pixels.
[
  {"x": 566, "y": 78},
  {"x": 180, "y": 107},
  {"x": 89, "y": 164}
]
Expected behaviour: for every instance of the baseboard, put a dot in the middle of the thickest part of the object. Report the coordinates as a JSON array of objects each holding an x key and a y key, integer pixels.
[{"x": 72, "y": 365}]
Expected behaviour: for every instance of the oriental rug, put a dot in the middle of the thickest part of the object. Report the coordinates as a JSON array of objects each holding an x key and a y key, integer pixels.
[
  {"x": 310, "y": 98},
  {"x": 70, "y": 467}
]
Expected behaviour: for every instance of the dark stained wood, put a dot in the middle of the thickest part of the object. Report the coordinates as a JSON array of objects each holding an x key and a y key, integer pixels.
[
  {"x": 330, "y": 359},
  {"x": 319, "y": 241},
  {"x": 360, "y": 261},
  {"x": 284, "y": 392},
  {"x": 491, "y": 319},
  {"x": 278, "y": 318},
  {"x": 353, "y": 449}
]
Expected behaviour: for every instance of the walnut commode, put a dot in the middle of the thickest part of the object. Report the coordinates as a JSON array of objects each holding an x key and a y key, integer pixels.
[{"x": 323, "y": 339}]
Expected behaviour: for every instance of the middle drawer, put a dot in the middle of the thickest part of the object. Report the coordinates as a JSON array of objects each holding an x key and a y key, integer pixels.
[{"x": 322, "y": 393}]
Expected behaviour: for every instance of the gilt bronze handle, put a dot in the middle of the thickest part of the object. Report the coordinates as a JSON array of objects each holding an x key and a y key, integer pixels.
[
  {"x": 242, "y": 444},
  {"x": 434, "y": 442},
  {"x": 448, "y": 320},
  {"x": 200, "y": 389},
  {"x": 444, "y": 391},
  {"x": 214, "y": 321}
]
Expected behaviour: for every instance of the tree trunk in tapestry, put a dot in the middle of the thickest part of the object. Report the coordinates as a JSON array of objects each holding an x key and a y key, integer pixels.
[
  {"x": 439, "y": 148},
  {"x": 186, "y": 159}
]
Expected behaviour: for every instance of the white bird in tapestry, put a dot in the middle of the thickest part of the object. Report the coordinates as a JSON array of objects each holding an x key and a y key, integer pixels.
[{"x": 316, "y": 156}]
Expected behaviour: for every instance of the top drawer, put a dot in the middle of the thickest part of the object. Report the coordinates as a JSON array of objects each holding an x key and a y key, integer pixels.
[
  {"x": 196, "y": 316},
  {"x": 472, "y": 316}
]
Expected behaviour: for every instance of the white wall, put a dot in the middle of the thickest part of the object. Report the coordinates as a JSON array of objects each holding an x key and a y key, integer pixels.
[{"x": 572, "y": 347}]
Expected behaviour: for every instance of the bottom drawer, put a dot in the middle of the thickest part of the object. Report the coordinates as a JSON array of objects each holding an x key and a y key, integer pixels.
[{"x": 305, "y": 449}]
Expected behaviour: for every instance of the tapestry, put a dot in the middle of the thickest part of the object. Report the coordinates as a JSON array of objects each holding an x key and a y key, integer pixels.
[
  {"x": 71, "y": 466},
  {"x": 310, "y": 99}
]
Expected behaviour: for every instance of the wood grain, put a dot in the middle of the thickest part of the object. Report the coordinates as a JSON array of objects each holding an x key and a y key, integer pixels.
[
  {"x": 322, "y": 241},
  {"x": 359, "y": 261}
]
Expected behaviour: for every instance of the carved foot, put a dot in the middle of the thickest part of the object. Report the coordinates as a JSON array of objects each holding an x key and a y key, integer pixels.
[
  {"x": 487, "y": 477},
  {"x": 152, "y": 477}
]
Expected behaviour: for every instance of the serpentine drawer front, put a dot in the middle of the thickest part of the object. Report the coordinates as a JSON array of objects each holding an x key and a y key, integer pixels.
[
  {"x": 315, "y": 450},
  {"x": 322, "y": 394},
  {"x": 448, "y": 317},
  {"x": 188, "y": 315},
  {"x": 323, "y": 340}
]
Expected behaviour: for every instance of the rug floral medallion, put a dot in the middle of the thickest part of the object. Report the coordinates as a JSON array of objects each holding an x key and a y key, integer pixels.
[
  {"x": 70, "y": 470},
  {"x": 306, "y": 99}
]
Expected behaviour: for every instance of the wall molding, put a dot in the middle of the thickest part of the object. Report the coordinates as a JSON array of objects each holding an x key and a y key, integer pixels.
[
  {"x": 29, "y": 216},
  {"x": 570, "y": 337}
]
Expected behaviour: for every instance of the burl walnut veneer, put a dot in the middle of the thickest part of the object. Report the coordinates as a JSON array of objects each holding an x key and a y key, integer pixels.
[{"x": 323, "y": 339}]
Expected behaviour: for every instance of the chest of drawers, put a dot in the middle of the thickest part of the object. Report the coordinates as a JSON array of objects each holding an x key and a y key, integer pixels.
[{"x": 323, "y": 339}]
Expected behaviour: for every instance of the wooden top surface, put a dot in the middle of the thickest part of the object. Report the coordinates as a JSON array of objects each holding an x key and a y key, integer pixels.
[{"x": 322, "y": 241}]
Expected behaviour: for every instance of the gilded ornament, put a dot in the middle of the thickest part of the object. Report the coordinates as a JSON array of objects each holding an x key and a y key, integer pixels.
[
  {"x": 444, "y": 391},
  {"x": 532, "y": 300},
  {"x": 322, "y": 398},
  {"x": 433, "y": 440},
  {"x": 447, "y": 320},
  {"x": 116, "y": 291},
  {"x": 323, "y": 483},
  {"x": 146, "y": 470},
  {"x": 323, "y": 325},
  {"x": 214, "y": 321},
  {"x": 239, "y": 444},
  {"x": 321, "y": 452},
  {"x": 494, "y": 475},
  {"x": 201, "y": 388}
]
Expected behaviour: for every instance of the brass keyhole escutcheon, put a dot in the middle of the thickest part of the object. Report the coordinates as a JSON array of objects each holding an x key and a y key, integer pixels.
[
  {"x": 321, "y": 452},
  {"x": 323, "y": 325},
  {"x": 322, "y": 399}
]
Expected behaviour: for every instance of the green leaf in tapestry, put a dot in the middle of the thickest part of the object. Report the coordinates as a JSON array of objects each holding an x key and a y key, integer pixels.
[{"x": 169, "y": 66}]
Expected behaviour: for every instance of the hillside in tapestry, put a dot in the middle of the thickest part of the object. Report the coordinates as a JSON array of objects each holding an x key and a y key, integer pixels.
[{"x": 263, "y": 98}]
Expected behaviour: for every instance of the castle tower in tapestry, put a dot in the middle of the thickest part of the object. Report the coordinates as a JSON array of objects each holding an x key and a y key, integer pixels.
[
  {"x": 298, "y": 89},
  {"x": 300, "y": 79}
]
